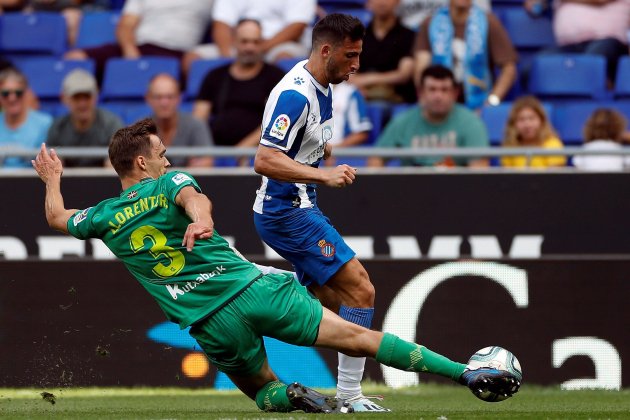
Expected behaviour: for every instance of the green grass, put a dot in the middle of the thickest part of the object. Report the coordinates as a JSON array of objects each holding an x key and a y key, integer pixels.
[{"x": 428, "y": 401}]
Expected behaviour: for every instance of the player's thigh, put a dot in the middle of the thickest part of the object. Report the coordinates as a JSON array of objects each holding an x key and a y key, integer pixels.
[
  {"x": 229, "y": 342},
  {"x": 279, "y": 307},
  {"x": 306, "y": 238}
]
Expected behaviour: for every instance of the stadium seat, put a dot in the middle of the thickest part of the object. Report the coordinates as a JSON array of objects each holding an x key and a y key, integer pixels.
[
  {"x": 53, "y": 108},
  {"x": 287, "y": 64},
  {"x": 622, "y": 81},
  {"x": 135, "y": 112},
  {"x": 33, "y": 33},
  {"x": 198, "y": 71},
  {"x": 45, "y": 74},
  {"x": 128, "y": 79},
  {"x": 375, "y": 113},
  {"x": 561, "y": 77},
  {"x": 569, "y": 118},
  {"x": 97, "y": 28},
  {"x": 527, "y": 32},
  {"x": 495, "y": 118}
]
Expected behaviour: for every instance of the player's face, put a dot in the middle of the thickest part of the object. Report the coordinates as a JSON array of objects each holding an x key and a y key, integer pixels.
[
  {"x": 343, "y": 60},
  {"x": 157, "y": 162},
  {"x": 527, "y": 124},
  {"x": 248, "y": 43},
  {"x": 12, "y": 99},
  {"x": 437, "y": 96}
]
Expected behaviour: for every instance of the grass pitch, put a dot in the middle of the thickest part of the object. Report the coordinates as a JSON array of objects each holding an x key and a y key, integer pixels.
[{"x": 428, "y": 401}]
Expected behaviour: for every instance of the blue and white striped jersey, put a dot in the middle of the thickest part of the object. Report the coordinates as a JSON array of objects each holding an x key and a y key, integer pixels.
[{"x": 297, "y": 120}]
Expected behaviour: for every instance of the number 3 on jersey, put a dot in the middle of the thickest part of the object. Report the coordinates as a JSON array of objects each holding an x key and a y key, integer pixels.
[{"x": 158, "y": 248}]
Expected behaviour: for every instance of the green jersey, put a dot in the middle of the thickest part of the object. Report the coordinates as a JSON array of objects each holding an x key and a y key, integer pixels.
[{"x": 144, "y": 227}]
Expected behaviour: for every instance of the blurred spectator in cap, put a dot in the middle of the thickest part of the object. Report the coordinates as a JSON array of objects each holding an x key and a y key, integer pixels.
[
  {"x": 176, "y": 128},
  {"x": 20, "y": 126},
  {"x": 603, "y": 130},
  {"x": 85, "y": 124}
]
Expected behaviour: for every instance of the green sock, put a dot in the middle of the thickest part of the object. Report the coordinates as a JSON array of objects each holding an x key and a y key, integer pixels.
[
  {"x": 273, "y": 397},
  {"x": 413, "y": 357}
]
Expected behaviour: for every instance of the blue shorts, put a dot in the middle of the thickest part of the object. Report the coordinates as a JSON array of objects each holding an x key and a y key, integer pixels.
[{"x": 306, "y": 239}]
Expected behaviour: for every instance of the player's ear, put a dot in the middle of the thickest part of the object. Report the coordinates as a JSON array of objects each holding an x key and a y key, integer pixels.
[
  {"x": 325, "y": 50},
  {"x": 141, "y": 162}
]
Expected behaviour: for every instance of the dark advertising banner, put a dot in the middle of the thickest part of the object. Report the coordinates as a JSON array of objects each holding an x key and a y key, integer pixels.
[
  {"x": 89, "y": 323},
  {"x": 435, "y": 216}
]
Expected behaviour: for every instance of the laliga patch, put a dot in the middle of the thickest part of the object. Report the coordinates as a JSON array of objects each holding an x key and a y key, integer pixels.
[
  {"x": 180, "y": 178},
  {"x": 280, "y": 127},
  {"x": 81, "y": 216},
  {"x": 328, "y": 249}
]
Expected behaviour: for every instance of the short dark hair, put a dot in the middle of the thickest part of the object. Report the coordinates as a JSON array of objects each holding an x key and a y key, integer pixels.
[
  {"x": 336, "y": 27},
  {"x": 437, "y": 71},
  {"x": 130, "y": 142}
]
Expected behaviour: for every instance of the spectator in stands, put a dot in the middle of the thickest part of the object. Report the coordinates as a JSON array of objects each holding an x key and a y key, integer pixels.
[
  {"x": 31, "y": 99},
  {"x": 284, "y": 28},
  {"x": 176, "y": 128},
  {"x": 413, "y": 12},
  {"x": 529, "y": 126},
  {"x": 165, "y": 28},
  {"x": 20, "y": 126},
  {"x": 603, "y": 130},
  {"x": 437, "y": 122},
  {"x": 85, "y": 125},
  {"x": 232, "y": 97},
  {"x": 387, "y": 58},
  {"x": 352, "y": 124},
  {"x": 470, "y": 42},
  {"x": 591, "y": 27}
]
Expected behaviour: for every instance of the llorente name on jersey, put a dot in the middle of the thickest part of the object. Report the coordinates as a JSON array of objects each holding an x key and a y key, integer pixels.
[
  {"x": 140, "y": 206},
  {"x": 176, "y": 291}
]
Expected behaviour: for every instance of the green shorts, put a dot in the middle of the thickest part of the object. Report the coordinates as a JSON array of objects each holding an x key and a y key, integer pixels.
[{"x": 276, "y": 306}]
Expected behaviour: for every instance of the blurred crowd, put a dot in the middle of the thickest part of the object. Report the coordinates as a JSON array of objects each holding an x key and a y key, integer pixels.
[{"x": 434, "y": 74}]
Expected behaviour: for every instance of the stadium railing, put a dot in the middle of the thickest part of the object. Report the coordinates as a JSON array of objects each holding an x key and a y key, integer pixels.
[{"x": 389, "y": 153}]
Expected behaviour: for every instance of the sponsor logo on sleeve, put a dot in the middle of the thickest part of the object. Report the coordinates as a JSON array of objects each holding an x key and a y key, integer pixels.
[
  {"x": 180, "y": 178},
  {"x": 81, "y": 216},
  {"x": 280, "y": 127}
]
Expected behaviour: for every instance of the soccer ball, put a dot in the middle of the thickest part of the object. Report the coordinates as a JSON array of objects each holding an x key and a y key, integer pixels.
[{"x": 498, "y": 358}]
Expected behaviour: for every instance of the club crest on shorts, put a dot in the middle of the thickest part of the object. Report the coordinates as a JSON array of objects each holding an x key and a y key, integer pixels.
[{"x": 328, "y": 249}]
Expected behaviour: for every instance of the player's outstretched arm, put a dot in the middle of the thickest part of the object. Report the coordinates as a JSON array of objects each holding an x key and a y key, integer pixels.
[
  {"x": 49, "y": 168},
  {"x": 199, "y": 208},
  {"x": 274, "y": 163}
]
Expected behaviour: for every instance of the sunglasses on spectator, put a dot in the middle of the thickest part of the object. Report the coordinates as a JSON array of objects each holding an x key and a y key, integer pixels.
[{"x": 6, "y": 93}]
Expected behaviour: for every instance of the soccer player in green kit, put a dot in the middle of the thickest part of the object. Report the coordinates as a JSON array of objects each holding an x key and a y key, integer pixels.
[{"x": 161, "y": 227}]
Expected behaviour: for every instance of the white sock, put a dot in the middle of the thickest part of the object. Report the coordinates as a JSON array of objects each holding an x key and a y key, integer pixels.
[{"x": 349, "y": 375}]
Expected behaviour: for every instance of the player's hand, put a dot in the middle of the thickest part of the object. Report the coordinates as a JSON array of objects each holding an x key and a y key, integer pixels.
[
  {"x": 197, "y": 230},
  {"x": 341, "y": 176},
  {"x": 327, "y": 150},
  {"x": 47, "y": 165}
]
